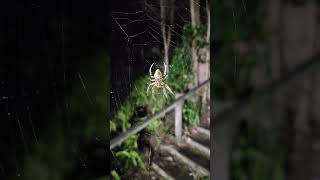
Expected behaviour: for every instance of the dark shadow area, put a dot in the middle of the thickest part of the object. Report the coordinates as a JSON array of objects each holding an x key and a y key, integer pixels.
[{"x": 53, "y": 82}]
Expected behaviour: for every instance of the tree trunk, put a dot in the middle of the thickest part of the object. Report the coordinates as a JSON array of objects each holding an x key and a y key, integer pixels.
[
  {"x": 204, "y": 71},
  {"x": 195, "y": 22},
  {"x": 166, "y": 29},
  {"x": 195, "y": 13}
]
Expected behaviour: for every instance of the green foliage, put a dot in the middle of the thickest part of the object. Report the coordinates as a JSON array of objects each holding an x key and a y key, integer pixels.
[
  {"x": 124, "y": 115},
  {"x": 199, "y": 35},
  {"x": 133, "y": 156},
  {"x": 113, "y": 126},
  {"x": 115, "y": 175},
  {"x": 139, "y": 96},
  {"x": 180, "y": 75},
  {"x": 154, "y": 125},
  {"x": 128, "y": 154},
  {"x": 190, "y": 114},
  {"x": 161, "y": 132}
]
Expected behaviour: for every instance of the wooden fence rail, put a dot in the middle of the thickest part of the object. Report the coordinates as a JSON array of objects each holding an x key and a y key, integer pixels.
[{"x": 175, "y": 105}]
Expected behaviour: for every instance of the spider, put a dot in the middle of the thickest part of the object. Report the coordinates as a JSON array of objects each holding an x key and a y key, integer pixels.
[{"x": 157, "y": 81}]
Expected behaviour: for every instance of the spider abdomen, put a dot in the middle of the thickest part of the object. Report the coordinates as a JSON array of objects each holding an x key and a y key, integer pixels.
[{"x": 159, "y": 83}]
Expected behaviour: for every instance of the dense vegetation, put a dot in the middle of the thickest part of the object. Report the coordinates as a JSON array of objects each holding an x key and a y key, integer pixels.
[{"x": 139, "y": 106}]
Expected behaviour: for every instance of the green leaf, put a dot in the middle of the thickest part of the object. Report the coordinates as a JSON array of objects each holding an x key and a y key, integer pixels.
[{"x": 115, "y": 175}]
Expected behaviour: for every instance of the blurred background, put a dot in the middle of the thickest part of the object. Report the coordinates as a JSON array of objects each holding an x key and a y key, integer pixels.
[
  {"x": 265, "y": 85},
  {"x": 53, "y": 92}
]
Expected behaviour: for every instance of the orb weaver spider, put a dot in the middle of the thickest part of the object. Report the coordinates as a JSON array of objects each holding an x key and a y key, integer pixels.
[{"x": 157, "y": 81}]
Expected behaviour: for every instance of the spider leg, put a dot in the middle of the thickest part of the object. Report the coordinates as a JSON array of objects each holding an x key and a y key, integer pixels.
[
  {"x": 150, "y": 69},
  {"x": 165, "y": 93},
  {"x": 165, "y": 77},
  {"x": 150, "y": 85},
  {"x": 169, "y": 89},
  {"x": 152, "y": 91}
]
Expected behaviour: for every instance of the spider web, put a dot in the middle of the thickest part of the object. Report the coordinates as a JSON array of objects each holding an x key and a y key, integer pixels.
[{"x": 137, "y": 42}]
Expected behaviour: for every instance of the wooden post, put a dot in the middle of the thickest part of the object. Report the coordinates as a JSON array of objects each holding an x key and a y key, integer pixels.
[{"x": 178, "y": 120}]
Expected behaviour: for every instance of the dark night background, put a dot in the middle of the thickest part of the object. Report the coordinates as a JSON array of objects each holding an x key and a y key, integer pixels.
[
  {"x": 130, "y": 59},
  {"x": 53, "y": 74},
  {"x": 129, "y": 64}
]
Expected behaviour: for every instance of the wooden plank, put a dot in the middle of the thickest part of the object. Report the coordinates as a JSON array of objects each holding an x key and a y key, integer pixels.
[
  {"x": 203, "y": 149},
  {"x": 183, "y": 159},
  {"x": 161, "y": 172}
]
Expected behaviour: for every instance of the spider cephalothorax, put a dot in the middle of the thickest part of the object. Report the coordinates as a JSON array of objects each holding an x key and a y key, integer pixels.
[{"x": 157, "y": 81}]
